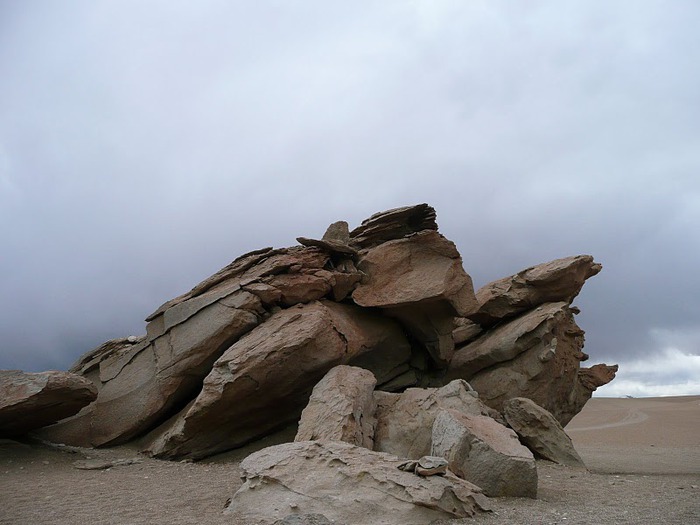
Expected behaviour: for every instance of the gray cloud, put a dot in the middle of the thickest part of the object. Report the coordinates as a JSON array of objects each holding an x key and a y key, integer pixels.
[{"x": 145, "y": 145}]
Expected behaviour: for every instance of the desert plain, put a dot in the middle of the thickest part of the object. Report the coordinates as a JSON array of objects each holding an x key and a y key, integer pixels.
[{"x": 642, "y": 454}]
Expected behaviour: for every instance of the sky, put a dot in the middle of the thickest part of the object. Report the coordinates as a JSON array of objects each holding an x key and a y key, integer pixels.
[{"x": 144, "y": 144}]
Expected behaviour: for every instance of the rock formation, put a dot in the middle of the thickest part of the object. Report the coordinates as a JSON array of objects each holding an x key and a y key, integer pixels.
[
  {"x": 238, "y": 356},
  {"x": 30, "y": 401}
]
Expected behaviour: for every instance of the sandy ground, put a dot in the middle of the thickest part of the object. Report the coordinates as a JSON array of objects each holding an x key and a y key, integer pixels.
[{"x": 643, "y": 457}]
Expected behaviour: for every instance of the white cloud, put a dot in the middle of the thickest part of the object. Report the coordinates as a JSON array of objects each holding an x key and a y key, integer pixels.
[{"x": 669, "y": 373}]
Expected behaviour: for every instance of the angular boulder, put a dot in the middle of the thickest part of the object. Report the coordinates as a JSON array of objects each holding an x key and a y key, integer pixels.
[
  {"x": 540, "y": 432},
  {"x": 347, "y": 484},
  {"x": 419, "y": 280},
  {"x": 29, "y": 401},
  {"x": 405, "y": 421},
  {"x": 393, "y": 224},
  {"x": 341, "y": 408},
  {"x": 554, "y": 281},
  {"x": 485, "y": 453},
  {"x": 264, "y": 380}
]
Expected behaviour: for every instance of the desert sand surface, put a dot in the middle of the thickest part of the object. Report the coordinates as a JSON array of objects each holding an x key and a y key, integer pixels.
[{"x": 643, "y": 457}]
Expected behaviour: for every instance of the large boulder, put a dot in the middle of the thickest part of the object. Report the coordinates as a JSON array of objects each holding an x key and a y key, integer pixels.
[
  {"x": 405, "y": 421},
  {"x": 540, "y": 432},
  {"x": 29, "y": 401},
  {"x": 346, "y": 484},
  {"x": 264, "y": 380},
  {"x": 485, "y": 453},
  {"x": 536, "y": 355},
  {"x": 419, "y": 280},
  {"x": 393, "y": 224},
  {"x": 554, "y": 281},
  {"x": 341, "y": 408}
]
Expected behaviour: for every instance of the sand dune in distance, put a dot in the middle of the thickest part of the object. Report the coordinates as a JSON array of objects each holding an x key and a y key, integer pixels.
[{"x": 658, "y": 435}]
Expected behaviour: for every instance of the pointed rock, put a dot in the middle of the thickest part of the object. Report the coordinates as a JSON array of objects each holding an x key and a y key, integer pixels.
[
  {"x": 394, "y": 224},
  {"x": 558, "y": 280}
]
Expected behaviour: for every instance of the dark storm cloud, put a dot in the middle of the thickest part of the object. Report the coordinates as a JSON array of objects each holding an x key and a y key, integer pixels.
[{"x": 143, "y": 145}]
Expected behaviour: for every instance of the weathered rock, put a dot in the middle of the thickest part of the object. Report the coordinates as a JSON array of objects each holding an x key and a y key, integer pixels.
[
  {"x": 540, "y": 432},
  {"x": 341, "y": 408},
  {"x": 536, "y": 355},
  {"x": 558, "y": 280},
  {"x": 347, "y": 484},
  {"x": 393, "y": 224},
  {"x": 29, "y": 401},
  {"x": 419, "y": 280},
  {"x": 265, "y": 379},
  {"x": 485, "y": 453},
  {"x": 405, "y": 421}
]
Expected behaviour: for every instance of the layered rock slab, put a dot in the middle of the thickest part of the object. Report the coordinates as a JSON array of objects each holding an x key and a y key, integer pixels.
[
  {"x": 554, "y": 281},
  {"x": 265, "y": 379},
  {"x": 347, "y": 484},
  {"x": 540, "y": 432},
  {"x": 29, "y": 401},
  {"x": 485, "y": 453},
  {"x": 536, "y": 355},
  {"x": 341, "y": 408}
]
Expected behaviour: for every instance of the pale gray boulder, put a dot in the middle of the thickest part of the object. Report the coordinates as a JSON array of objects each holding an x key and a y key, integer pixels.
[
  {"x": 347, "y": 484},
  {"x": 405, "y": 421},
  {"x": 341, "y": 408},
  {"x": 486, "y": 453}
]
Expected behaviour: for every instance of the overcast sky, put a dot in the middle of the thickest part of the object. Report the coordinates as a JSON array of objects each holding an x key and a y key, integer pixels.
[{"x": 146, "y": 144}]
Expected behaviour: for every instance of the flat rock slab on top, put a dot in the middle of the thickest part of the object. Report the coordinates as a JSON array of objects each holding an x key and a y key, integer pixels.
[
  {"x": 29, "y": 401},
  {"x": 558, "y": 280},
  {"x": 347, "y": 484}
]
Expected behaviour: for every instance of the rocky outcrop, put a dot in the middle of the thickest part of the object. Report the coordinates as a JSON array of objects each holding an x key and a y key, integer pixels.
[
  {"x": 341, "y": 408},
  {"x": 346, "y": 484},
  {"x": 485, "y": 453},
  {"x": 405, "y": 421},
  {"x": 540, "y": 432},
  {"x": 264, "y": 380},
  {"x": 554, "y": 281},
  {"x": 29, "y": 401},
  {"x": 237, "y": 356}
]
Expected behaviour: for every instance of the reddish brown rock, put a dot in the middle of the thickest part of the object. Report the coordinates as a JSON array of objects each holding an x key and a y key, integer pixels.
[
  {"x": 264, "y": 380},
  {"x": 29, "y": 401},
  {"x": 536, "y": 355},
  {"x": 558, "y": 280},
  {"x": 341, "y": 408},
  {"x": 419, "y": 280},
  {"x": 393, "y": 224}
]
